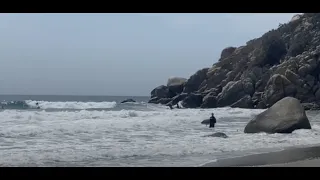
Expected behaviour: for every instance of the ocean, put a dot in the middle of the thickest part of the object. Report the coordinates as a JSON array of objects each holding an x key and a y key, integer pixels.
[{"x": 100, "y": 131}]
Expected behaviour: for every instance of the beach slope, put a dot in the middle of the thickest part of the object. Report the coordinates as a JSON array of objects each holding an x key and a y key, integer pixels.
[{"x": 290, "y": 157}]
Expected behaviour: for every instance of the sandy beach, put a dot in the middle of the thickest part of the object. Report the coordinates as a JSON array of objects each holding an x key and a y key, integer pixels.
[
  {"x": 290, "y": 157},
  {"x": 304, "y": 163}
]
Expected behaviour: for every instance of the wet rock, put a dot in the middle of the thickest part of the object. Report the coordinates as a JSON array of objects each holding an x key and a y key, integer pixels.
[
  {"x": 283, "y": 62},
  {"x": 209, "y": 101},
  {"x": 310, "y": 106},
  {"x": 231, "y": 93},
  {"x": 128, "y": 100},
  {"x": 176, "y": 85},
  {"x": 164, "y": 100},
  {"x": 175, "y": 100},
  {"x": 245, "y": 102},
  {"x": 192, "y": 101},
  {"x": 161, "y": 92},
  {"x": 154, "y": 100},
  {"x": 285, "y": 116},
  {"x": 194, "y": 82},
  {"x": 278, "y": 87}
]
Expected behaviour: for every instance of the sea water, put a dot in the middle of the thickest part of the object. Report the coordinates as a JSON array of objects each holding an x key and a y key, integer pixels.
[{"x": 100, "y": 131}]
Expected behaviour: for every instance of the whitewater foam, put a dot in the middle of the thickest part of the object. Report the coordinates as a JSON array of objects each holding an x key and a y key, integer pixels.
[
  {"x": 70, "y": 105},
  {"x": 159, "y": 137}
]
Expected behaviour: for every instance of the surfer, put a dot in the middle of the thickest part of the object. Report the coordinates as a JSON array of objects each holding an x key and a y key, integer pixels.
[
  {"x": 170, "y": 106},
  {"x": 212, "y": 121},
  {"x": 37, "y": 104},
  {"x": 178, "y": 106}
]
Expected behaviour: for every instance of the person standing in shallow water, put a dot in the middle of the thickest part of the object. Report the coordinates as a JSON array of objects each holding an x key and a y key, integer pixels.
[{"x": 212, "y": 121}]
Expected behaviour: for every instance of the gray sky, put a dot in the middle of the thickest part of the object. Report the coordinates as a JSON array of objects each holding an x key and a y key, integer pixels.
[{"x": 116, "y": 54}]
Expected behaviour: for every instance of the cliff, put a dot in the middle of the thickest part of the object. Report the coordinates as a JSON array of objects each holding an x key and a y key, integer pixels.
[{"x": 283, "y": 62}]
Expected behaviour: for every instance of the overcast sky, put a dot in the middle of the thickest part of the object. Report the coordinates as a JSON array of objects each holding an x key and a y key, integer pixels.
[{"x": 115, "y": 54}]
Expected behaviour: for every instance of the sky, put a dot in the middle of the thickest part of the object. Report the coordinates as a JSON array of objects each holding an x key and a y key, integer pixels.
[{"x": 116, "y": 54}]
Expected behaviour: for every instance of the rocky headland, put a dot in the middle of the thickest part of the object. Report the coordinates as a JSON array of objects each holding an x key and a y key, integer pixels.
[{"x": 283, "y": 62}]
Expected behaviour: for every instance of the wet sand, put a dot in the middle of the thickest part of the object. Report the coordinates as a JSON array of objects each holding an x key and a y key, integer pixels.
[
  {"x": 290, "y": 157},
  {"x": 304, "y": 163}
]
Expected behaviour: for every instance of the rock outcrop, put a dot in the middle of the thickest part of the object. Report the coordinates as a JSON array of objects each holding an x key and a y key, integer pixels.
[
  {"x": 226, "y": 52},
  {"x": 192, "y": 101},
  {"x": 284, "y": 62},
  {"x": 128, "y": 100},
  {"x": 176, "y": 84},
  {"x": 284, "y": 116}
]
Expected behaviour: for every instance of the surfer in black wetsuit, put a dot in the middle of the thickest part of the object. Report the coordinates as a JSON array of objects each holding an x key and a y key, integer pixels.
[
  {"x": 212, "y": 121},
  {"x": 170, "y": 106},
  {"x": 37, "y": 104},
  {"x": 178, "y": 106}
]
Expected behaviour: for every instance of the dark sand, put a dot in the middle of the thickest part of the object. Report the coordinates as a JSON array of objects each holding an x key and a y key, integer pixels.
[
  {"x": 291, "y": 157},
  {"x": 304, "y": 163}
]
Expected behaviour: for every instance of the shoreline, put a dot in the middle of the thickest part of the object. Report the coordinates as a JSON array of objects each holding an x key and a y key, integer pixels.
[{"x": 289, "y": 157}]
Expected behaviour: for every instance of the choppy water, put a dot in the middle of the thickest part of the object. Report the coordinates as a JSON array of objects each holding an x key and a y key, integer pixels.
[{"x": 92, "y": 131}]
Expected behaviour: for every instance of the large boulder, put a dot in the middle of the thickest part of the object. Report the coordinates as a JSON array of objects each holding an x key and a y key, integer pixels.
[
  {"x": 245, "y": 102},
  {"x": 215, "y": 76},
  {"x": 176, "y": 84},
  {"x": 161, "y": 92},
  {"x": 285, "y": 116},
  {"x": 231, "y": 93},
  {"x": 176, "y": 81},
  {"x": 226, "y": 52},
  {"x": 194, "y": 82},
  {"x": 209, "y": 101},
  {"x": 192, "y": 101},
  {"x": 295, "y": 17},
  {"x": 277, "y": 88}
]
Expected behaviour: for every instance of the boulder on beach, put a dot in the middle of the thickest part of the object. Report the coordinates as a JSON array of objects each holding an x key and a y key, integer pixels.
[
  {"x": 128, "y": 100},
  {"x": 284, "y": 116}
]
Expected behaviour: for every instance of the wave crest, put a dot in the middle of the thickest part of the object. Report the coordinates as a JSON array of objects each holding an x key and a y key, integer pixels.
[{"x": 30, "y": 104}]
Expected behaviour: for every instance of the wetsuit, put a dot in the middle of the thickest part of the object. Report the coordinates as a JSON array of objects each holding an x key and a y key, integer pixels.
[{"x": 212, "y": 121}]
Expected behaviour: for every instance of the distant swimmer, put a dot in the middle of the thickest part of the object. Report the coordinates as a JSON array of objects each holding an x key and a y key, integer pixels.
[{"x": 213, "y": 121}]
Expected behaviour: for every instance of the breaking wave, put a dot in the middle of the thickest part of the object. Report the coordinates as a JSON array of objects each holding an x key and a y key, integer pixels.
[{"x": 30, "y": 104}]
